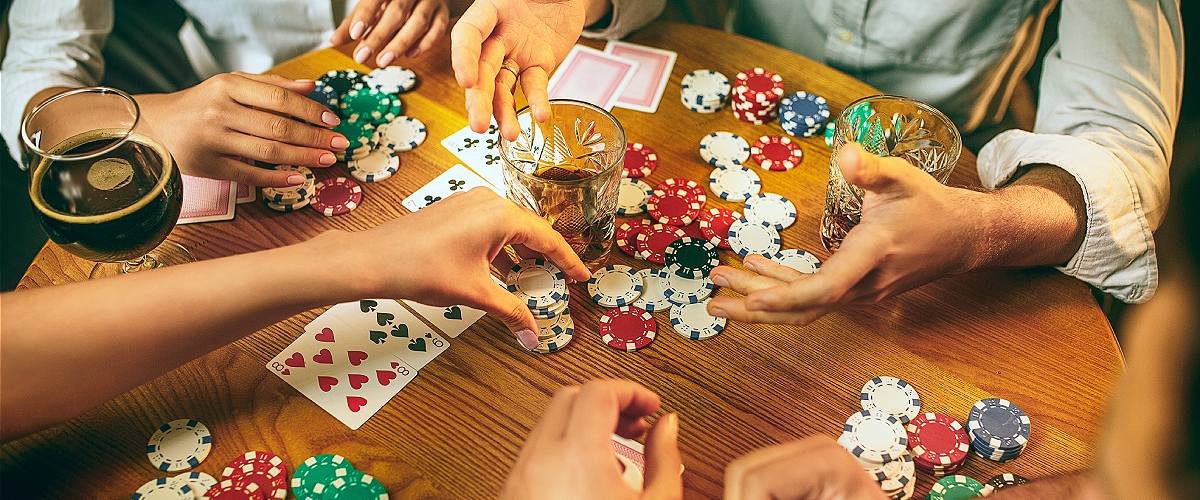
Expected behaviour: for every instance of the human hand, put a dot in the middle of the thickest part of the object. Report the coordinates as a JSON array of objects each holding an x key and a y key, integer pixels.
[
  {"x": 391, "y": 28},
  {"x": 812, "y": 468},
  {"x": 913, "y": 230},
  {"x": 569, "y": 453},
  {"x": 216, "y": 128},
  {"x": 534, "y": 34}
]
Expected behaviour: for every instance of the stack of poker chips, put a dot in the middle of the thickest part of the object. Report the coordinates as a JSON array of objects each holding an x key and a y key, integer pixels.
[
  {"x": 879, "y": 442},
  {"x": 756, "y": 95},
  {"x": 372, "y": 117},
  {"x": 331, "y": 475},
  {"x": 543, "y": 288},
  {"x": 803, "y": 114},
  {"x": 998, "y": 428},
  {"x": 958, "y": 486},
  {"x": 939, "y": 444},
  {"x": 704, "y": 91},
  {"x": 291, "y": 198}
]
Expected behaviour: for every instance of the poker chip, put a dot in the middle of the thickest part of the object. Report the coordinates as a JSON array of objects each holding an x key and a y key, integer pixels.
[
  {"x": 998, "y": 428},
  {"x": 640, "y": 160},
  {"x": 892, "y": 396},
  {"x": 749, "y": 237},
  {"x": 233, "y": 490},
  {"x": 830, "y": 128},
  {"x": 874, "y": 437},
  {"x": 799, "y": 260},
  {"x": 704, "y": 91},
  {"x": 289, "y": 207},
  {"x": 261, "y": 468},
  {"x": 378, "y": 166},
  {"x": 319, "y": 469},
  {"x": 632, "y": 196},
  {"x": 627, "y": 235},
  {"x": 652, "y": 243},
  {"x": 336, "y": 196},
  {"x": 163, "y": 489},
  {"x": 734, "y": 183},
  {"x": 714, "y": 225},
  {"x": 678, "y": 207},
  {"x": 724, "y": 147},
  {"x": 803, "y": 114},
  {"x": 654, "y": 287},
  {"x": 693, "y": 230},
  {"x": 178, "y": 445},
  {"x": 771, "y": 208},
  {"x": 404, "y": 134},
  {"x": 536, "y": 282},
  {"x": 956, "y": 487},
  {"x": 552, "y": 311},
  {"x": 291, "y": 194},
  {"x": 756, "y": 95},
  {"x": 360, "y": 134},
  {"x": 198, "y": 482},
  {"x": 341, "y": 81},
  {"x": 691, "y": 188},
  {"x": 776, "y": 153},
  {"x": 392, "y": 79},
  {"x": 325, "y": 95},
  {"x": 370, "y": 105},
  {"x": 1001, "y": 481},
  {"x": 558, "y": 340},
  {"x": 614, "y": 285},
  {"x": 682, "y": 291},
  {"x": 627, "y": 328},
  {"x": 691, "y": 258},
  {"x": 937, "y": 441},
  {"x": 353, "y": 486},
  {"x": 694, "y": 322}
]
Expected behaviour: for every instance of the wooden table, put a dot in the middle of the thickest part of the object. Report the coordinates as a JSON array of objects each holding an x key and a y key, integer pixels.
[{"x": 1035, "y": 337}]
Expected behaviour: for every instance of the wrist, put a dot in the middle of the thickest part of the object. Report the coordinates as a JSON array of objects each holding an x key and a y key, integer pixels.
[
  {"x": 978, "y": 222},
  {"x": 343, "y": 270}
]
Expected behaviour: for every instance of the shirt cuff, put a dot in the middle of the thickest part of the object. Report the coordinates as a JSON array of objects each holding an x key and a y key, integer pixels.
[
  {"x": 627, "y": 16},
  {"x": 1117, "y": 254}
]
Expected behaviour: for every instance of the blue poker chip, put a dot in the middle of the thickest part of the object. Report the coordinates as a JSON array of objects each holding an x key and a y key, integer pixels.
[
  {"x": 998, "y": 425},
  {"x": 325, "y": 95}
]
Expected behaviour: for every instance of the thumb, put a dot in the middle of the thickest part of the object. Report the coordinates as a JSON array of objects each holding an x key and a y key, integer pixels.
[
  {"x": 662, "y": 478},
  {"x": 515, "y": 315},
  {"x": 871, "y": 172}
]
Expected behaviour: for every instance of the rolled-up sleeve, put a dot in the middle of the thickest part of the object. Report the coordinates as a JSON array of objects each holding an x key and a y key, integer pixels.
[
  {"x": 52, "y": 43},
  {"x": 1108, "y": 107},
  {"x": 627, "y": 16}
]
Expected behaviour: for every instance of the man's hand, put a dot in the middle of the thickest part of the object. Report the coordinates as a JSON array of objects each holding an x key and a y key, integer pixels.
[
  {"x": 813, "y": 468},
  {"x": 535, "y": 34},
  {"x": 569, "y": 454},
  {"x": 913, "y": 230},
  {"x": 389, "y": 29},
  {"x": 216, "y": 128}
]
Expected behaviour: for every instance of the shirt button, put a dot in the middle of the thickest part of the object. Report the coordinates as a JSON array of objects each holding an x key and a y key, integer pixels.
[{"x": 845, "y": 35}]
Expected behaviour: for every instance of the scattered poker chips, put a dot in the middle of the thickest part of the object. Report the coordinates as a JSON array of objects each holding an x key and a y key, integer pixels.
[
  {"x": 197, "y": 482},
  {"x": 178, "y": 445},
  {"x": 336, "y": 196},
  {"x": 999, "y": 429},
  {"x": 537, "y": 282},
  {"x": 771, "y": 208},
  {"x": 681, "y": 290},
  {"x": 754, "y": 237},
  {"x": 691, "y": 189},
  {"x": 627, "y": 328},
  {"x": 693, "y": 321},
  {"x": 378, "y": 166},
  {"x": 803, "y": 114},
  {"x": 262, "y": 469},
  {"x": 734, "y": 183},
  {"x": 319, "y": 470},
  {"x": 776, "y": 153},
  {"x": 714, "y": 225},
  {"x": 627, "y": 236},
  {"x": 723, "y": 147},
  {"x": 1001, "y": 481},
  {"x": 756, "y": 95},
  {"x": 799, "y": 260},
  {"x": 325, "y": 95},
  {"x": 704, "y": 91},
  {"x": 652, "y": 243},
  {"x": 678, "y": 207},
  {"x": 957, "y": 487},
  {"x": 391, "y": 79},
  {"x": 230, "y": 489},
  {"x": 370, "y": 105},
  {"x": 341, "y": 81},
  {"x": 892, "y": 396},
  {"x": 163, "y": 488},
  {"x": 614, "y": 285},
  {"x": 654, "y": 287},
  {"x": 874, "y": 437},
  {"x": 939, "y": 443},
  {"x": 632, "y": 196},
  {"x": 404, "y": 134},
  {"x": 691, "y": 258},
  {"x": 640, "y": 160}
]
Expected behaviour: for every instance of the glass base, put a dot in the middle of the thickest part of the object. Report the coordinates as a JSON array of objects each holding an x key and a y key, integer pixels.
[{"x": 167, "y": 254}]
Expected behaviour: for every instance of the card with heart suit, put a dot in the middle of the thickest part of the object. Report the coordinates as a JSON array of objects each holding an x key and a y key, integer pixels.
[
  {"x": 207, "y": 200},
  {"x": 645, "y": 88},
  {"x": 384, "y": 326},
  {"x": 455, "y": 180},
  {"x": 480, "y": 152},
  {"x": 589, "y": 75}
]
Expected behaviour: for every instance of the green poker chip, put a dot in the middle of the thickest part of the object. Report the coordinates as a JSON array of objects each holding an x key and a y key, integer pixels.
[
  {"x": 320, "y": 470},
  {"x": 360, "y": 134},
  {"x": 956, "y": 487},
  {"x": 371, "y": 105},
  {"x": 361, "y": 487},
  {"x": 693, "y": 258}
]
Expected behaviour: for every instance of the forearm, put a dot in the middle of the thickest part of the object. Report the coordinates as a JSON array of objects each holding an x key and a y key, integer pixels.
[
  {"x": 118, "y": 333},
  {"x": 1076, "y": 486},
  {"x": 1037, "y": 220}
]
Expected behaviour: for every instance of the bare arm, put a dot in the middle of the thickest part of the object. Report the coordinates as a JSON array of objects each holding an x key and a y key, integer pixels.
[{"x": 1038, "y": 220}]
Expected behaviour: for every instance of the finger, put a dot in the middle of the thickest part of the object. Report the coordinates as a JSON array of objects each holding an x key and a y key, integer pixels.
[
  {"x": 525, "y": 252},
  {"x": 436, "y": 31},
  {"x": 553, "y": 424},
  {"x": 480, "y": 108},
  {"x": 741, "y": 281},
  {"x": 662, "y": 478},
  {"x": 601, "y": 404},
  {"x": 871, "y": 172},
  {"x": 241, "y": 172},
  {"x": 772, "y": 269},
  {"x": 355, "y": 25},
  {"x": 275, "y": 152},
  {"x": 466, "y": 41},
  {"x": 385, "y": 28},
  {"x": 283, "y": 129},
  {"x": 414, "y": 27},
  {"x": 272, "y": 97},
  {"x": 631, "y": 427},
  {"x": 512, "y": 311},
  {"x": 303, "y": 87},
  {"x": 859, "y": 254},
  {"x": 734, "y": 308},
  {"x": 534, "y": 232},
  {"x": 533, "y": 83},
  {"x": 503, "y": 105}
]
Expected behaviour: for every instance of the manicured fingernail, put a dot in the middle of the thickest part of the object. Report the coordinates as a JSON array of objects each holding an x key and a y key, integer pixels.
[
  {"x": 339, "y": 142},
  {"x": 361, "y": 55},
  {"x": 716, "y": 311},
  {"x": 528, "y": 339},
  {"x": 304, "y": 81},
  {"x": 718, "y": 279},
  {"x": 327, "y": 159},
  {"x": 749, "y": 264},
  {"x": 386, "y": 58},
  {"x": 295, "y": 179},
  {"x": 330, "y": 119},
  {"x": 356, "y": 30}
]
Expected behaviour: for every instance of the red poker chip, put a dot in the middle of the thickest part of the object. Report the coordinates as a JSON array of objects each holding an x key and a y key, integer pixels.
[
  {"x": 627, "y": 328},
  {"x": 776, "y": 153},
  {"x": 752, "y": 119},
  {"x": 676, "y": 208},
  {"x": 693, "y": 230},
  {"x": 233, "y": 490},
  {"x": 627, "y": 235},
  {"x": 714, "y": 224},
  {"x": 758, "y": 82},
  {"x": 640, "y": 160},
  {"x": 652, "y": 243},
  {"x": 336, "y": 196},
  {"x": 937, "y": 441},
  {"x": 263, "y": 470},
  {"x": 673, "y": 183}
]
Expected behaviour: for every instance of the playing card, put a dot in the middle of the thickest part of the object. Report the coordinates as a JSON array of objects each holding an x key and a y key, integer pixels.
[
  {"x": 384, "y": 326},
  {"x": 452, "y": 320},
  {"x": 480, "y": 152},
  {"x": 455, "y": 180},
  {"x": 206, "y": 200},
  {"x": 245, "y": 193},
  {"x": 592, "y": 76},
  {"x": 634, "y": 451},
  {"x": 645, "y": 88}
]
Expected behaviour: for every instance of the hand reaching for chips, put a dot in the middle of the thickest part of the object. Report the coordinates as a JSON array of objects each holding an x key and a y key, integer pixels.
[{"x": 391, "y": 29}]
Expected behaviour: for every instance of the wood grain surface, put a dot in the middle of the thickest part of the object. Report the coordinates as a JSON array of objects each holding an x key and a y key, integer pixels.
[{"x": 1033, "y": 336}]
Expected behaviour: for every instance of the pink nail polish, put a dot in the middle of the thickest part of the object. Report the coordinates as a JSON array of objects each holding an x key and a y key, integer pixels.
[
  {"x": 326, "y": 159},
  {"x": 356, "y": 30},
  {"x": 361, "y": 55},
  {"x": 303, "y": 81},
  {"x": 339, "y": 142},
  {"x": 295, "y": 180},
  {"x": 528, "y": 339},
  {"x": 330, "y": 119},
  {"x": 386, "y": 58}
]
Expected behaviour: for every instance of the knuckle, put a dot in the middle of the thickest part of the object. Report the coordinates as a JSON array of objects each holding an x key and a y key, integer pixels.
[
  {"x": 267, "y": 150},
  {"x": 280, "y": 128},
  {"x": 277, "y": 96}
]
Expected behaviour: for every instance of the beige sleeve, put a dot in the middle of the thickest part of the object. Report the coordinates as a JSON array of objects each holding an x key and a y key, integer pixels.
[{"x": 627, "y": 16}]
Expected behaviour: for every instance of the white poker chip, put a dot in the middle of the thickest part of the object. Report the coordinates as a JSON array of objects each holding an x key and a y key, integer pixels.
[
  {"x": 771, "y": 208},
  {"x": 727, "y": 147},
  {"x": 632, "y": 196},
  {"x": 614, "y": 286},
  {"x": 892, "y": 396},
  {"x": 654, "y": 290},
  {"x": 682, "y": 291},
  {"x": 199, "y": 482},
  {"x": 694, "y": 322},
  {"x": 704, "y": 91},
  {"x": 875, "y": 438},
  {"x": 404, "y": 133},
  {"x": 375, "y": 167},
  {"x": 392, "y": 79},
  {"x": 537, "y": 283},
  {"x": 163, "y": 488},
  {"x": 799, "y": 260},
  {"x": 734, "y": 183},
  {"x": 752, "y": 237},
  {"x": 178, "y": 445}
]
